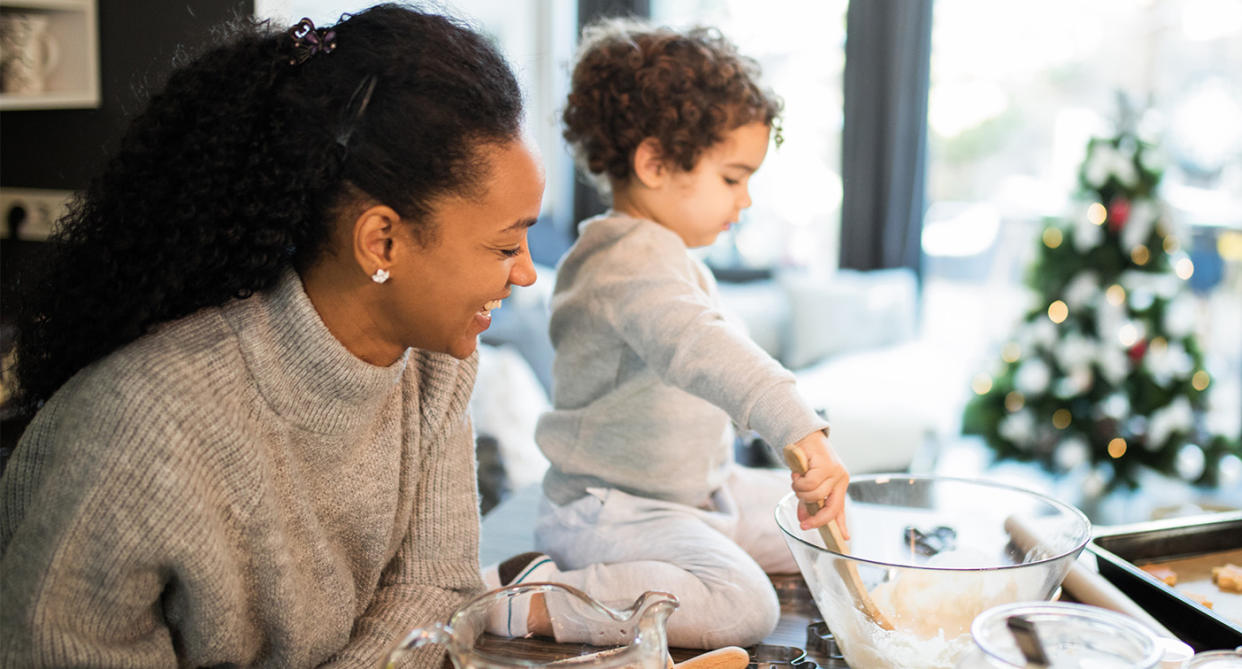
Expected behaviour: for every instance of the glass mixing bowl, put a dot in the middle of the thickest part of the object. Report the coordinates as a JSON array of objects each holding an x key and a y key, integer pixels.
[{"x": 932, "y": 553}]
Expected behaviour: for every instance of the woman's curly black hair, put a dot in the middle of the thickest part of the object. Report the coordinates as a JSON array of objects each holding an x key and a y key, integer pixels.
[
  {"x": 633, "y": 81},
  {"x": 240, "y": 165}
]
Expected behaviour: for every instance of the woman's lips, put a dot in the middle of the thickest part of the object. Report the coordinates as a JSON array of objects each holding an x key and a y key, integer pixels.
[{"x": 483, "y": 318}]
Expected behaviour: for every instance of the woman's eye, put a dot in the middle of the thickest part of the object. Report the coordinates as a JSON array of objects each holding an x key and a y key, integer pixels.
[
  {"x": 511, "y": 253},
  {"x": 731, "y": 182}
]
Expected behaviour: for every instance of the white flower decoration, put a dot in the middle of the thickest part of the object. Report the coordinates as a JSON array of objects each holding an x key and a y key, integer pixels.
[
  {"x": 1019, "y": 428},
  {"x": 1176, "y": 416},
  {"x": 1114, "y": 364},
  {"x": 1109, "y": 318},
  {"x": 1116, "y": 406},
  {"x": 1229, "y": 470},
  {"x": 1082, "y": 291},
  {"x": 1179, "y": 316},
  {"x": 1075, "y": 352},
  {"x": 1139, "y": 224},
  {"x": 1071, "y": 452},
  {"x": 1032, "y": 377},
  {"x": 1105, "y": 161},
  {"x": 1038, "y": 334},
  {"x": 1190, "y": 462},
  {"x": 1153, "y": 159},
  {"x": 1168, "y": 363},
  {"x": 1077, "y": 382},
  {"x": 1086, "y": 235}
]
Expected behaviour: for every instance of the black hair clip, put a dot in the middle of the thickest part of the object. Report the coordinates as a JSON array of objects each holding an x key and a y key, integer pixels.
[
  {"x": 309, "y": 41},
  {"x": 354, "y": 110}
]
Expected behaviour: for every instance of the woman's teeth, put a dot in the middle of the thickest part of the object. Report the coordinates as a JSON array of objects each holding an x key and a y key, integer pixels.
[{"x": 494, "y": 304}]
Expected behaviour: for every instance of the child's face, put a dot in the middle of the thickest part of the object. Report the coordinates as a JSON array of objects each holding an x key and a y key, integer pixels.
[{"x": 700, "y": 204}]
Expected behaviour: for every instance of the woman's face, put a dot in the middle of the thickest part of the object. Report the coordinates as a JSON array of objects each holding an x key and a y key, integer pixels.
[{"x": 475, "y": 252}]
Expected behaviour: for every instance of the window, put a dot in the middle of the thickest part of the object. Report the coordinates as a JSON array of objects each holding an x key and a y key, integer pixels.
[
  {"x": 1016, "y": 91},
  {"x": 796, "y": 216}
]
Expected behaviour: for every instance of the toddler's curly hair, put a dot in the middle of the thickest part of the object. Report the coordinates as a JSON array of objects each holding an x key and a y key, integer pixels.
[{"x": 684, "y": 89}]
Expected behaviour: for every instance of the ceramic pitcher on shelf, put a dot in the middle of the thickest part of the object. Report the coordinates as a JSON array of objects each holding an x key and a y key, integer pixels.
[
  {"x": 472, "y": 640},
  {"x": 29, "y": 53}
]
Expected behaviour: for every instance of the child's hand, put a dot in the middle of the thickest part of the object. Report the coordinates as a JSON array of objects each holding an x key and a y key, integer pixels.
[{"x": 824, "y": 483}]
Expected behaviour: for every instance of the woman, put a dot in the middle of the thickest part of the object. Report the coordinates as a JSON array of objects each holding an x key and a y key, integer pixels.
[{"x": 253, "y": 356}]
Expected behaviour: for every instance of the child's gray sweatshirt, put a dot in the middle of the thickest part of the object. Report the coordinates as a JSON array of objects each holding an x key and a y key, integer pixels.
[{"x": 648, "y": 371}]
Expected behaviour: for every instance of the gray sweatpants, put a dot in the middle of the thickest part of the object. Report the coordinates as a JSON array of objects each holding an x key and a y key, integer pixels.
[{"x": 614, "y": 546}]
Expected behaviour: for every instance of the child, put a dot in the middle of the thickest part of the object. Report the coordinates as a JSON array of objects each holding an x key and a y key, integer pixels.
[{"x": 642, "y": 492}]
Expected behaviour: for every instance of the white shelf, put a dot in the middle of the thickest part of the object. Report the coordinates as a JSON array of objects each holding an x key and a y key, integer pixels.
[
  {"x": 74, "y": 84},
  {"x": 55, "y": 5}
]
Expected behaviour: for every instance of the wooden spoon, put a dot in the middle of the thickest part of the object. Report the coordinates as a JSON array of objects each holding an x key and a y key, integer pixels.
[{"x": 835, "y": 541}]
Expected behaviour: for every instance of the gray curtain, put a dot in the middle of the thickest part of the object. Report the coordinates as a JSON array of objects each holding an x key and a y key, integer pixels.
[
  {"x": 884, "y": 141},
  {"x": 587, "y": 202}
]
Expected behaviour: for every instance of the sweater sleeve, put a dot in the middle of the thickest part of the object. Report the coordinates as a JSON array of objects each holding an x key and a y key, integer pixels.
[
  {"x": 436, "y": 568},
  {"x": 86, "y": 551},
  {"x": 654, "y": 300}
]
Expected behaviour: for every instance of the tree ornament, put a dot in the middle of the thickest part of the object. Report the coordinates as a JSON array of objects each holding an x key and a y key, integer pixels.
[{"x": 1118, "y": 213}]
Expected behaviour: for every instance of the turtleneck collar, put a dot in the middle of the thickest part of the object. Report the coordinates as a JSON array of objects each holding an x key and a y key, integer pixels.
[{"x": 305, "y": 374}]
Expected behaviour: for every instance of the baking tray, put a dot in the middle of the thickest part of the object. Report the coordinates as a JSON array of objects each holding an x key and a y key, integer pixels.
[{"x": 1187, "y": 544}]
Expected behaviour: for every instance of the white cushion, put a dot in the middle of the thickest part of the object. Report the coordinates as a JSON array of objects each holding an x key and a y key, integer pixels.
[
  {"x": 761, "y": 308},
  {"x": 506, "y": 403},
  {"x": 884, "y": 404},
  {"x": 847, "y": 311}
]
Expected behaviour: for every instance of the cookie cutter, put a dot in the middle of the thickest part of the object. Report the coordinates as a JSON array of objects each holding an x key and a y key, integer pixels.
[
  {"x": 772, "y": 656},
  {"x": 821, "y": 642}
]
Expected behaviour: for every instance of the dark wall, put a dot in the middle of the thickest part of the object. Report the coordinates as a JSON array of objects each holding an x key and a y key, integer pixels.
[{"x": 61, "y": 149}]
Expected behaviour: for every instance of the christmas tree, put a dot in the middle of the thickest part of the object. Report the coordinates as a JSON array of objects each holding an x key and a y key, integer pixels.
[{"x": 1105, "y": 369}]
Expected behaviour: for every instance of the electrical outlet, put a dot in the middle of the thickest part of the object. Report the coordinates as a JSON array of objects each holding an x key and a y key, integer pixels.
[{"x": 31, "y": 212}]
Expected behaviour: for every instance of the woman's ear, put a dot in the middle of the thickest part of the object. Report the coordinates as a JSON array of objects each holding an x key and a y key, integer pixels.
[
  {"x": 374, "y": 235},
  {"x": 649, "y": 165}
]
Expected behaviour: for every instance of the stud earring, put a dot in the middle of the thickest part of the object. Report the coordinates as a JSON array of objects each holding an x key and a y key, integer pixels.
[{"x": 380, "y": 276}]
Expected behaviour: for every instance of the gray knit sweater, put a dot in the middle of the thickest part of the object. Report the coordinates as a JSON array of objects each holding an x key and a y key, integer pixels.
[
  {"x": 238, "y": 489},
  {"x": 649, "y": 371}
]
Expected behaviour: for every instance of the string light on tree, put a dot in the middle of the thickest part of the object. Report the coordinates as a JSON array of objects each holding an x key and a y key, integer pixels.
[{"x": 1105, "y": 372}]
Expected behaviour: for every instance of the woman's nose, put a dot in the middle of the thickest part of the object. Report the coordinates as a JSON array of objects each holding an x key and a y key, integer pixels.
[{"x": 523, "y": 272}]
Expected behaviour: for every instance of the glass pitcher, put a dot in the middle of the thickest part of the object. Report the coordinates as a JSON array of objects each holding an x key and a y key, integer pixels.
[{"x": 472, "y": 645}]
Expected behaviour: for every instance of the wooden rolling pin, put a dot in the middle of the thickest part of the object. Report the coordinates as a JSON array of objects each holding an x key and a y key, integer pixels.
[
  {"x": 729, "y": 657},
  {"x": 1085, "y": 585}
]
